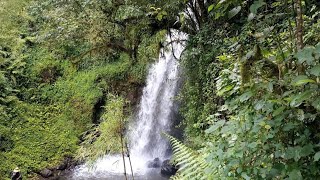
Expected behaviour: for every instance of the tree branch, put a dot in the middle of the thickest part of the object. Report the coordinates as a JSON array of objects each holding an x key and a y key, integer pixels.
[{"x": 299, "y": 19}]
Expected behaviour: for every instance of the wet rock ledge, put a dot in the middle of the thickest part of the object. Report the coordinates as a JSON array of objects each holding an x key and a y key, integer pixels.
[{"x": 59, "y": 172}]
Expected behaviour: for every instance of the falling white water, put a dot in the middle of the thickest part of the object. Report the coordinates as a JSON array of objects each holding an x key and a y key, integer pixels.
[{"x": 155, "y": 117}]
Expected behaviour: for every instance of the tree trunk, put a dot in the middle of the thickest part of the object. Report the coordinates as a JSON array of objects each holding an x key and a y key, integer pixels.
[
  {"x": 299, "y": 32},
  {"x": 203, "y": 10},
  {"x": 299, "y": 20}
]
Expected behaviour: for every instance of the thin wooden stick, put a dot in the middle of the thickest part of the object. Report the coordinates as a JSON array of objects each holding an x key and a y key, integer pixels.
[
  {"x": 128, "y": 154},
  {"x": 124, "y": 162}
]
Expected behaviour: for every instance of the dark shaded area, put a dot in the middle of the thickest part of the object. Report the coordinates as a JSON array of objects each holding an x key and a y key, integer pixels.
[
  {"x": 168, "y": 169},
  {"x": 98, "y": 109},
  {"x": 156, "y": 163},
  {"x": 62, "y": 171},
  {"x": 6, "y": 144},
  {"x": 50, "y": 74}
]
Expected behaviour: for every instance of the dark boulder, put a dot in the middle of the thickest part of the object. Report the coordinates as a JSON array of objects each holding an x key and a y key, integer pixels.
[
  {"x": 168, "y": 169},
  {"x": 46, "y": 173},
  {"x": 63, "y": 166},
  {"x": 156, "y": 163}
]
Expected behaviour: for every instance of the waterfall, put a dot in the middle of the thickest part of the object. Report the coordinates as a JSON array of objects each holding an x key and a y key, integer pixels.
[
  {"x": 155, "y": 116},
  {"x": 156, "y": 106}
]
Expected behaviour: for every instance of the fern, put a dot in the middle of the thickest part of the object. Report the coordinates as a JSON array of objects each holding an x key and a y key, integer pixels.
[{"x": 191, "y": 164}]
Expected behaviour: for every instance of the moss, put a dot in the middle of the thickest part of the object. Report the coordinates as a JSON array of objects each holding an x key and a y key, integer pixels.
[{"x": 42, "y": 137}]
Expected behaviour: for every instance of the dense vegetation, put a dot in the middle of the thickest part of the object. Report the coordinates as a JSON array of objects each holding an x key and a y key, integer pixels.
[
  {"x": 61, "y": 62},
  {"x": 251, "y": 98},
  {"x": 70, "y": 71}
]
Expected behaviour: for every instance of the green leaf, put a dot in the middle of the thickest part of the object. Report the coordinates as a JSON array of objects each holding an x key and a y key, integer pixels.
[
  {"x": 278, "y": 111},
  {"x": 288, "y": 126},
  {"x": 295, "y": 175},
  {"x": 302, "y": 80},
  {"x": 248, "y": 55},
  {"x": 256, "y": 5},
  {"x": 317, "y": 51},
  {"x": 294, "y": 153},
  {"x": 306, "y": 150},
  {"x": 317, "y": 156},
  {"x": 245, "y": 176},
  {"x": 315, "y": 70},
  {"x": 252, "y": 145},
  {"x": 215, "y": 126},
  {"x": 251, "y": 16},
  {"x": 246, "y": 96},
  {"x": 298, "y": 99},
  {"x": 316, "y": 103},
  {"x": 159, "y": 16},
  {"x": 234, "y": 12},
  {"x": 305, "y": 55},
  {"x": 267, "y": 30},
  {"x": 259, "y": 105},
  {"x": 210, "y": 7},
  {"x": 225, "y": 89},
  {"x": 267, "y": 127},
  {"x": 270, "y": 87}
]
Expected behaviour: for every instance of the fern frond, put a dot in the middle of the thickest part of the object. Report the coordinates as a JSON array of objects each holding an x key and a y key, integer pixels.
[{"x": 191, "y": 164}]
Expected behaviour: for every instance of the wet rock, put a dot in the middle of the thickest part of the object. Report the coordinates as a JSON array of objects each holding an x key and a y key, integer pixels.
[
  {"x": 156, "y": 163},
  {"x": 63, "y": 166},
  {"x": 46, "y": 173},
  {"x": 168, "y": 169}
]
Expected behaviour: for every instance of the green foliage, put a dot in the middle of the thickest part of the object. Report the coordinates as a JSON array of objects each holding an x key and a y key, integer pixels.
[
  {"x": 105, "y": 138},
  {"x": 40, "y": 137},
  {"x": 250, "y": 101},
  {"x": 13, "y": 19},
  {"x": 58, "y": 60},
  {"x": 191, "y": 164},
  {"x": 268, "y": 134},
  {"x": 88, "y": 83}
]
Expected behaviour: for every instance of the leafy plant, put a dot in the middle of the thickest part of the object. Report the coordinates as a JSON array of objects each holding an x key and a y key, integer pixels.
[
  {"x": 250, "y": 96},
  {"x": 104, "y": 138},
  {"x": 191, "y": 164}
]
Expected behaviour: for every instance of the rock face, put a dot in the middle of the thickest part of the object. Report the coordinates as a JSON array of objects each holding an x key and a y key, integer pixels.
[
  {"x": 67, "y": 163},
  {"x": 46, "y": 173},
  {"x": 168, "y": 169},
  {"x": 58, "y": 172},
  {"x": 154, "y": 164},
  {"x": 63, "y": 166}
]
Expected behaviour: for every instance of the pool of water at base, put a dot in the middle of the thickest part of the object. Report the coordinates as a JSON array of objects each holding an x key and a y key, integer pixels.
[{"x": 153, "y": 174}]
